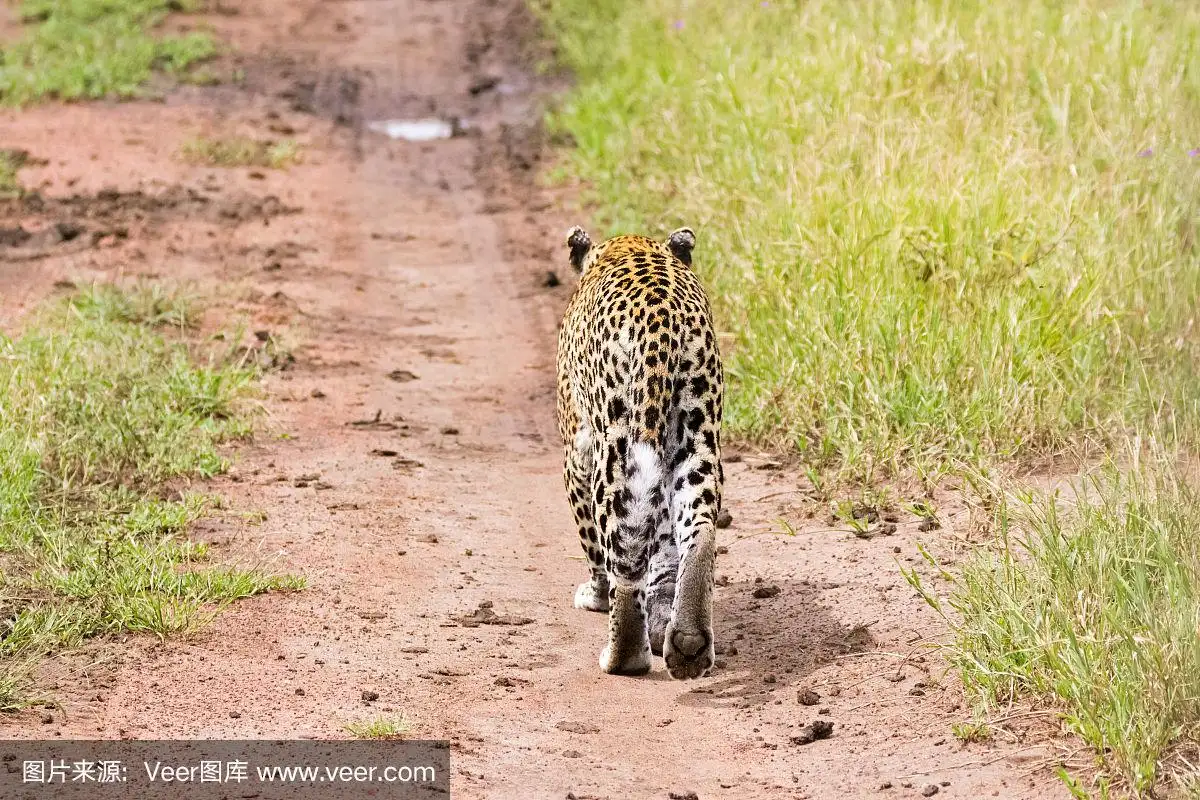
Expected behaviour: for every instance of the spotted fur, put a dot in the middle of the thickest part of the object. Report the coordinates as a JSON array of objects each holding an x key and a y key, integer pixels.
[{"x": 640, "y": 388}]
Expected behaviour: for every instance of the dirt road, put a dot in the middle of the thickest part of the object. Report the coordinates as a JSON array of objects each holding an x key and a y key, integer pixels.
[{"x": 410, "y": 468}]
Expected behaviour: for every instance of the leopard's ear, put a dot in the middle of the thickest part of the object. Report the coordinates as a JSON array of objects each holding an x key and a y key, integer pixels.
[
  {"x": 579, "y": 244},
  {"x": 680, "y": 243}
]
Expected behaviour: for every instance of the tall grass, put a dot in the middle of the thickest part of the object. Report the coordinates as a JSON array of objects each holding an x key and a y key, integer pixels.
[
  {"x": 935, "y": 231},
  {"x": 1095, "y": 606},
  {"x": 99, "y": 411}
]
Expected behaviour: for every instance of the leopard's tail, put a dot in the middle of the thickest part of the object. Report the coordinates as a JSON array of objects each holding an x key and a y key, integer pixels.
[
  {"x": 632, "y": 508},
  {"x": 634, "y": 472}
]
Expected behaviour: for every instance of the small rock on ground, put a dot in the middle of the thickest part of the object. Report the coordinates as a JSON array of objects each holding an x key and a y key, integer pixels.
[
  {"x": 817, "y": 729},
  {"x": 808, "y": 697}
]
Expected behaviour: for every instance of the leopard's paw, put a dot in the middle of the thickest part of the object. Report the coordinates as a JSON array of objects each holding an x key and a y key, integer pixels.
[
  {"x": 591, "y": 596},
  {"x": 688, "y": 653}
]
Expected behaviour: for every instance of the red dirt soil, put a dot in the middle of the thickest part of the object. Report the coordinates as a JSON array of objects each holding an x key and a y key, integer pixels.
[{"x": 414, "y": 279}]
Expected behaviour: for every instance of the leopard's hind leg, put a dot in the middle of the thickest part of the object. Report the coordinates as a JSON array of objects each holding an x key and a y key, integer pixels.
[
  {"x": 580, "y": 463},
  {"x": 660, "y": 584},
  {"x": 688, "y": 646}
]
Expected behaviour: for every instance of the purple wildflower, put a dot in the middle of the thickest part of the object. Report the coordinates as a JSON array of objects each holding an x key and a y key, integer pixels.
[
  {"x": 1149, "y": 151},
  {"x": 1195, "y": 151},
  {"x": 677, "y": 24}
]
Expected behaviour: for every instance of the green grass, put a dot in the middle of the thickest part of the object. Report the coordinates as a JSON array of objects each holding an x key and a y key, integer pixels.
[
  {"x": 240, "y": 151},
  {"x": 380, "y": 728},
  {"x": 935, "y": 232},
  {"x": 102, "y": 410},
  {"x": 88, "y": 49},
  {"x": 10, "y": 162},
  {"x": 1095, "y": 607},
  {"x": 969, "y": 732}
]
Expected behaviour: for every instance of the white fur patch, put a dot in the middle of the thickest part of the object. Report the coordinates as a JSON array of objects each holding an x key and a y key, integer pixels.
[{"x": 647, "y": 471}]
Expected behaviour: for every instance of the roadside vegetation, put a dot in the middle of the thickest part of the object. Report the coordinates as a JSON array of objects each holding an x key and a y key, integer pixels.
[
  {"x": 950, "y": 239},
  {"x": 90, "y": 49},
  {"x": 106, "y": 412},
  {"x": 382, "y": 727},
  {"x": 1095, "y": 606},
  {"x": 11, "y": 162},
  {"x": 240, "y": 151}
]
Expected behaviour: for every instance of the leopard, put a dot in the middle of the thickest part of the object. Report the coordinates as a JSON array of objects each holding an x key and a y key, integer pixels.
[{"x": 640, "y": 387}]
